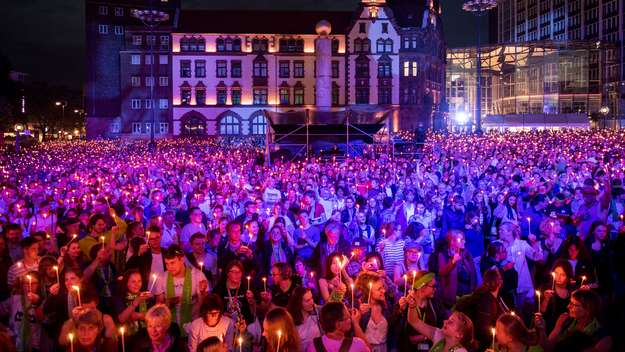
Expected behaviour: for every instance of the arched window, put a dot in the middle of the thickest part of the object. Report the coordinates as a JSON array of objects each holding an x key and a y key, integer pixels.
[
  {"x": 221, "y": 44},
  {"x": 260, "y": 67},
  {"x": 379, "y": 45},
  {"x": 388, "y": 46},
  {"x": 258, "y": 123},
  {"x": 193, "y": 124},
  {"x": 229, "y": 124}
]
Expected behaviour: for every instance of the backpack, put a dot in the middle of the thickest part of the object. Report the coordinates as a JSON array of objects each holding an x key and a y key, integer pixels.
[{"x": 345, "y": 345}]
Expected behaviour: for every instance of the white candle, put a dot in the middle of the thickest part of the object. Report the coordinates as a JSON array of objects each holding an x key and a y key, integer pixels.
[
  {"x": 30, "y": 283},
  {"x": 583, "y": 279},
  {"x": 553, "y": 281},
  {"x": 279, "y": 338},
  {"x": 153, "y": 282},
  {"x": 492, "y": 330},
  {"x": 56, "y": 269},
  {"x": 70, "y": 336},
  {"x": 201, "y": 266},
  {"x": 405, "y": 285},
  {"x": 102, "y": 239},
  {"x": 529, "y": 226},
  {"x": 121, "y": 332},
  {"x": 352, "y": 286},
  {"x": 370, "y": 289},
  {"x": 265, "y": 283},
  {"x": 240, "y": 344},
  {"x": 248, "y": 282},
  {"x": 77, "y": 289},
  {"x": 538, "y": 296}
]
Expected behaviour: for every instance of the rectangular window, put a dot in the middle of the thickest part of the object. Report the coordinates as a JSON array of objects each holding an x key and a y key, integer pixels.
[
  {"x": 335, "y": 94},
  {"x": 137, "y": 39},
  {"x": 163, "y": 104},
  {"x": 149, "y": 81},
  {"x": 135, "y": 81},
  {"x": 384, "y": 95},
  {"x": 164, "y": 41},
  {"x": 147, "y": 103},
  {"x": 115, "y": 127},
  {"x": 222, "y": 96},
  {"x": 285, "y": 96},
  {"x": 335, "y": 69},
  {"x": 163, "y": 81},
  {"x": 148, "y": 59},
  {"x": 163, "y": 59},
  {"x": 118, "y": 30},
  {"x": 260, "y": 96},
  {"x": 298, "y": 96},
  {"x": 362, "y": 95},
  {"x": 384, "y": 69},
  {"x": 119, "y": 11},
  {"x": 136, "y": 127},
  {"x": 200, "y": 96},
  {"x": 236, "y": 96},
  {"x": 362, "y": 69},
  {"x": 150, "y": 39},
  {"x": 414, "y": 69},
  {"x": 284, "y": 69},
  {"x": 260, "y": 68},
  {"x": 135, "y": 104},
  {"x": 185, "y": 95},
  {"x": 384, "y": 27},
  {"x": 103, "y": 10},
  {"x": 362, "y": 27},
  {"x": 185, "y": 68},
  {"x": 406, "y": 68},
  {"x": 221, "y": 70},
  {"x": 135, "y": 59},
  {"x": 298, "y": 69},
  {"x": 163, "y": 127},
  {"x": 103, "y": 28},
  {"x": 235, "y": 69},
  {"x": 148, "y": 127}
]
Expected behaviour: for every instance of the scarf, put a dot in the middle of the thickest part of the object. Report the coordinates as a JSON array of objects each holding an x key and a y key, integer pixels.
[
  {"x": 143, "y": 307},
  {"x": 185, "y": 305}
]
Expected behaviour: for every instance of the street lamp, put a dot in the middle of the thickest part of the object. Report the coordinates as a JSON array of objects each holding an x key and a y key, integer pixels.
[
  {"x": 604, "y": 112},
  {"x": 151, "y": 19},
  {"x": 63, "y": 105},
  {"x": 479, "y": 8}
]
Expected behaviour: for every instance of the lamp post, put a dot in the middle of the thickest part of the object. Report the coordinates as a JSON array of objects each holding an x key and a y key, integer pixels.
[
  {"x": 19, "y": 128},
  {"x": 479, "y": 8},
  {"x": 604, "y": 113},
  {"x": 63, "y": 105},
  {"x": 151, "y": 19}
]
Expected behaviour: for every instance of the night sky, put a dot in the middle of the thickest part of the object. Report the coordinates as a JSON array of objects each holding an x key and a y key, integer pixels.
[{"x": 45, "y": 38}]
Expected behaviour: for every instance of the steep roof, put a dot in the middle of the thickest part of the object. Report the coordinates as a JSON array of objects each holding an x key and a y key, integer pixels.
[
  {"x": 409, "y": 13},
  {"x": 262, "y": 22}
]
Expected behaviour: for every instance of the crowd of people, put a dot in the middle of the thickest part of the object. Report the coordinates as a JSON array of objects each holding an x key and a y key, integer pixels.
[{"x": 500, "y": 242}]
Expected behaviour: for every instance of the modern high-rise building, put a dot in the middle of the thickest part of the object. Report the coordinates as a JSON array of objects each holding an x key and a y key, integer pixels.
[
  {"x": 215, "y": 72},
  {"x": 600, "y": 22}
]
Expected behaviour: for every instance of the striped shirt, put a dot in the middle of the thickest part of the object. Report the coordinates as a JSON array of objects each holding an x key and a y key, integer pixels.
[
  {"x": 392, "y": 254},
  {"x": 20, "y": 269}
]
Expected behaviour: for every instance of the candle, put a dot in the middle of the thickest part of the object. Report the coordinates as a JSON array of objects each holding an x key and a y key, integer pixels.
[
  {"x": 529, "y": 226},
  {"x": 153, "y": 282},
  {"x": 493, "y": 344},
  {"x": 248, "y": 282},
  {"x": 538, "y": 296},
  {"x": 405, "y": 285},
  {"x": 147, "y": 233},
  {"x": 279, "y": 338},
  {"x": 553, "y": 282},
  {"x": 583, "y": 279},
  {"x": 77, "y": 289},
  {"x": 56, "y": 269},
  {"x": 201, "y": 266},
  {"x": 414, "y": 276},
  {"x": 240, "y": 344},
  {"x": 265, "y": 283},
  {"x": 102, "y": 239},
  {"x": 352, "y": 287},
  {"x": 370, "y": 289},
  {"x": 30, "y": 283},
  {"x": 70, "y": 336},
  {"x": 121, "y": 332}
]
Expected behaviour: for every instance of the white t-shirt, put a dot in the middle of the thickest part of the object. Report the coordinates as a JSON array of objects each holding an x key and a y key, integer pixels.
[
  {"x": 157, "y": 263},
  {"x": 358, "y": 345},
  {"x": 160, "y": 287}
]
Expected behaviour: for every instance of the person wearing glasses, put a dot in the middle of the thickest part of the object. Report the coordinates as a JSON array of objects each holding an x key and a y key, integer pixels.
[
  {"x": 212, "y": 322},
  {"x": 428, "y": 308},
  {"x": 180, "y": 287}
]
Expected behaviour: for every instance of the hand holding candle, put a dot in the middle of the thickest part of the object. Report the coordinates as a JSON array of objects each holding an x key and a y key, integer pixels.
[
  {"x": 121, "y": 332},
  {"x": 279, "y": 338},
  {"x": 248, "y": 282},
  {"x": 493, "y": 331},
  {"x": 265, "y": 284},
  {"x": 370, "y": 289},
  {"x": 538, "y": 296},
  {"x": 553, "y": 281},
  {"x": 77, "y": 289},
  {"x": 70, "y": 336},
  {"x": 153, "y": 282},
  {"x": 56, "y": 269}
]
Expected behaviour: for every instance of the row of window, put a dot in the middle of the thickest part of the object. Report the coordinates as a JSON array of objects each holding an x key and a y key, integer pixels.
[
  {"x": 150, "y": 39},
  {"x": 104, "y": 11},
  {"x": 104, "y": 29},
  {"x": 362, "y": 68},
  {"x": 198, "y": 44},
  {"x": 385, "y": 95},
  {"x": 363, "y": 45},
  {"x": 137, "y": 104},
  {"x": 135, "y": 59},
  {"x": 141, "y": 128},
  {"x": 135, "y": 81},
  {"x": 200, "y": 95},
  {"x": 221, "y": 68}
]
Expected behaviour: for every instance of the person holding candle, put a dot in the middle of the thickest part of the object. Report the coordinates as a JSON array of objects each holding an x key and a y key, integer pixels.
[
  {"x": 332, "y": 240},
  {"x": 336, "y": 323},
  {"x": 305, "y": 315},
  {"x": 131, "y": 303},
  {"x": 412, "y": 256},
  {"x": 283, "y": 285},
  {"x": 90, "y": 301},
  {"x": 59, "y": 304},
  {"x": 557, "y": 295},
  {"x": 456, "y": 269},
  {"x": 180, "y": 287},
  {"x": 240, "y": 303},
  {"x": 30, "y": 247},
  {"x": 275, "y": 250},
  {"x": 98, "y": 227},
  {"x": 579, "y": 328},
  {"x": 599, "y": 247},
  {"x": 574, "y": 250},
  {"x": 279, "y": 332},
  {"x": 212, "y": 322},
  {"x": 199, "y": 258},
  {"x": 162, "y": 335},
  {"x": 306, "y": 236},
  {"x": 375, "y": 311},
  {"x": 333, "y": 285},
  {"x": 147, "y": 257},
  {"x": 72, "y": 256},
  {"x": 512, "y": 335},
  {"x": 391, "y": 248},
  {"x": 21, "y": 311},
  {"x": 89, "y": 333},
  {"x": 233, "y": 248},
  {"x": 47, "y": 273}
]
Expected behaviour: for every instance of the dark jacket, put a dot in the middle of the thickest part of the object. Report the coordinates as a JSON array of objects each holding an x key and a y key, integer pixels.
[
  {"x": 144, "y": 344},
  {"x": 318, "y": 259},
  {"x": 266, "y": 251},
  {"x": 143, "y": 263}
]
